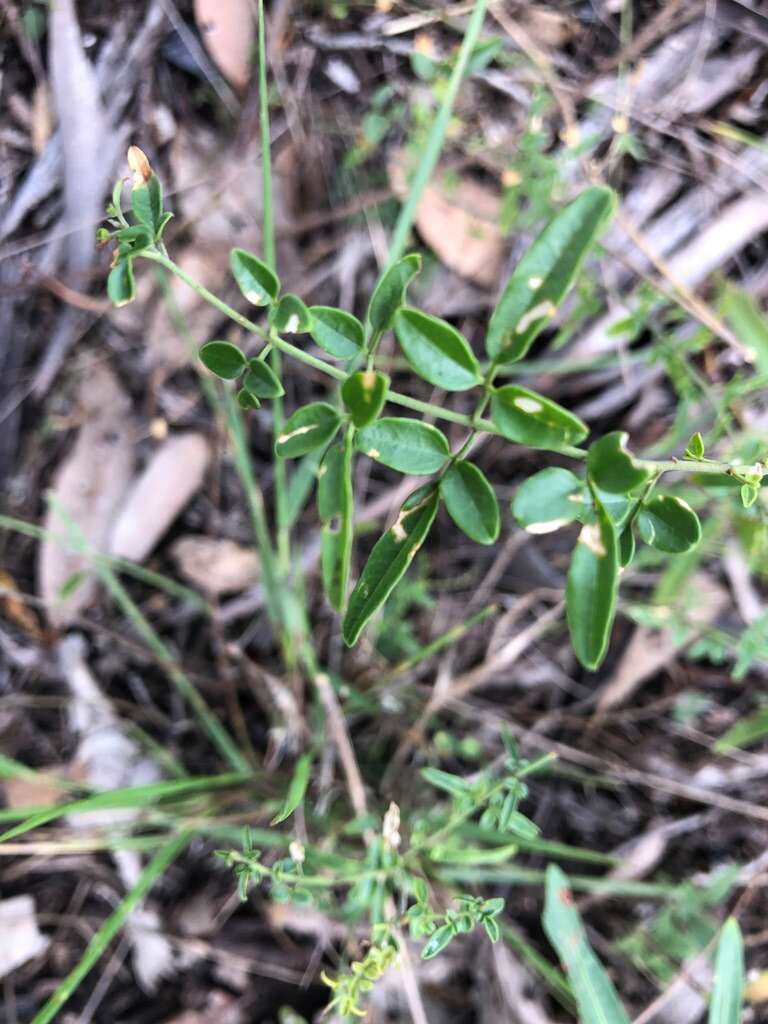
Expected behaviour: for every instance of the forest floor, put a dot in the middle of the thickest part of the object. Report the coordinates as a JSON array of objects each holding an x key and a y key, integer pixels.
[{"x": 662, "y": 825}]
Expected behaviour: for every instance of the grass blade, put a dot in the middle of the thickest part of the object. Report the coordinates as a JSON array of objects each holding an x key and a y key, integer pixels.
[
  {"x": 436, "y": 137},
  {"x": 592, "y": 988},
  {"x": 98, "y": 944},
  {"x": 728, "y": 990}
]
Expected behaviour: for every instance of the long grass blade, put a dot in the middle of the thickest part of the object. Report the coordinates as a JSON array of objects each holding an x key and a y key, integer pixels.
[
  {"x": 728, "y": 990},
  {"x": 98, "y": 944},
  {"x": 436, "y": 137}
]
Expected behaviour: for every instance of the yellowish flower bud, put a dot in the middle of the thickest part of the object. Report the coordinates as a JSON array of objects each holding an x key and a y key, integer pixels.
[{"x": 139, "y": 165}]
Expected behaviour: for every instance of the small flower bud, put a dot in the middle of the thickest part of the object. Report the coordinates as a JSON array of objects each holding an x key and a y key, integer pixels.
[
  {"x": 391, "y": 830},
  {"x": 139, "y": 165},
  {"x": 296, "y": 850}
]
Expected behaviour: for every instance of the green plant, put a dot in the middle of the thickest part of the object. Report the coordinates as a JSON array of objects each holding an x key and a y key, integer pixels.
[
  {"x": 593, "y": 989},
  {"x": 615, "y": 503}
]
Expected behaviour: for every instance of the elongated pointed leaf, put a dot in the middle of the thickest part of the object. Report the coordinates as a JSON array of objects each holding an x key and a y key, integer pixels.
[
  {"x": 389, "y": 294},
  {"x": 669, "y": 524},
  {"x": 336, "y": 332},
  {"x": 296, "y": 790},
  {"x": 256, "y": 281},
  {"x": 471, "y": 502},
  {"x": 593, "y": 990},
  {"x": 530, "y": 419},
  {"x": 389, "y": 560},
  {"x": 331, "y": 564},
  {"x": 549, "y": 499},
  {"x": 436, "y": 350},
  {"x": 612, "y": 467},
  {"x": 592, "y": 589},
  {"x": 330, "y": 484},
  {"x": 728, "y": 990},
  {"x": 545, "y": 274},
  {"x": 261, "y": 380},
  {"x": 147, "y": 205},
  {"x": 364, "y": 394},
  {"x": 408, "y": 446},
  {"x": 308, "y": 428},
  {"x": 223, "y": 358}
]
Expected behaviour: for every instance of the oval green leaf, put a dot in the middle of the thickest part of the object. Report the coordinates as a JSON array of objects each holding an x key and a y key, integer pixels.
[
  {"x": 592, "y": 588},
  {"x": 471, "y": 502},
  {"x": 548, "y": 500},
  {"x": 291, "y": 316},
  {"x": 310, "y": 427},
  {"x": 364, "y": 394},
  {"x": 256, "y": 281},
  {"x": 223, "y": 358},
  {"x": 626, "y": 546},
  {"x": 121, "y": 286},
  {"x": 436, "y": 350},
  {"x": 545, "y": 274},
  {"x": 669, "y": 524},
  {"x": 261, "y": 380},
  {"x": 331, "y": 565},
  {"x": 592, "y": 989},
  {"x": 612, "y": 467},
  {"x": 389, "y": 294},
  {"x": 389, "y": 560},
  {"x": 530, "y": 419},
  {"x": 246, "y": 400},
  {"x": 408, "y": 446},
  {"x": 336, "y": 332}
]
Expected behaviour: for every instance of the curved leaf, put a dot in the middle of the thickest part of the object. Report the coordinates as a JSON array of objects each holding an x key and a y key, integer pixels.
[
  {"x": 592, "y": 588},
  {"x": 545, "y": 274},
  {"x": 408, "y": 446},
  {"x": 436, "y": 350},
  {"x": 548, "y": 500},
  {"x": 121, "y": 286},
  {"x": 529, "y": 418},
  {"x": 669, "y": 524},
  {"x": 471, "y": 502},
  {"x": 261, "y": 380},
  {"x": 389, "y": 294},
  {"x": 612, "y": 467},
  {"x": 296, "y": 790},
  {"x": 290, "y": 315},
  {"x": 223, "y": 358},
  {"x": 389, "y": 560},
  {"x": 364, "y": 394},
  {"x": 336, "y": 332},
  {"x": 310, "y": 427},
  {"x": 256, "y": 281}
]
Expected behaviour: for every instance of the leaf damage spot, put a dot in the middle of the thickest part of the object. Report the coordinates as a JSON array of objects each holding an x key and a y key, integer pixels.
[
  {"x": 548, "y": 527},
  {"x": 529, "y": 405},
  {"x": 590, "y": 536},
  {"x": 537, "y": 312},
  {"x": 295, "y": 433}
]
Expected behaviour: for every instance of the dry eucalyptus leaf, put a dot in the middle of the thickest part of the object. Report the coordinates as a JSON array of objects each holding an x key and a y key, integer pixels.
[
  {"x": 460, "y": 222},
  {"x": 88, "y": 484},
  {"x": 44, "y": 789},
  {"x": 86, "y": 140},
  {"x": 228, "y": 32},
  {"x": 14, "y": 609},
  {"x": 110, "y": 759},
  {"x": 173, "y": 474},
  {"x": 216, "y": 566},
  {"x": 22, "y": 939}
]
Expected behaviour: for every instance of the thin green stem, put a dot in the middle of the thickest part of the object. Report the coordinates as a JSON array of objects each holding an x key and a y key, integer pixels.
[
  {"x": 267, "y": 219},
  {"x": 436, "y": 138}
]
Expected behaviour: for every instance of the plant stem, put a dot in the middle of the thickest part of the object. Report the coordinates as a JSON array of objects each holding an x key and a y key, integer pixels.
[{"x": 436, "y": 138}]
